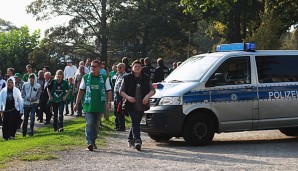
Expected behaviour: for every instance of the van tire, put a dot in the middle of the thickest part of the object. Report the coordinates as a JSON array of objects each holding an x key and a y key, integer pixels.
[
  {"x": 158, "y": 138},
  {"x": 199, "y": 130},
  {"x": 292, "y": 131}
]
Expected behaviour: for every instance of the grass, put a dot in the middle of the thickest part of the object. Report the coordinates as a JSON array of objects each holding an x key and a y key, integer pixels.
[{"x": 45, "y": 142}]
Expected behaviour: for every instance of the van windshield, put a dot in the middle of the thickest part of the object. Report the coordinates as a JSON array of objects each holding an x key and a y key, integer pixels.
[{"x": 192, "y": 69}]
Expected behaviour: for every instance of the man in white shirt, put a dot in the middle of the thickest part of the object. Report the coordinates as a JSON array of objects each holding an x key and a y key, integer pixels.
[{"x": 69, "y": 70}]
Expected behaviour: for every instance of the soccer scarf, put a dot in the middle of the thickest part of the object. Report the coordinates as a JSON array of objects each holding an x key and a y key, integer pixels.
[{"x": 101, "y": 88}]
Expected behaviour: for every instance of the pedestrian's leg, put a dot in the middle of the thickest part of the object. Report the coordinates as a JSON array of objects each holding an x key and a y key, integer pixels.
[
  {"x": 71, "y": 106},
  {"x": 15, "y": 120},
  {"x": 121, "y": 118},
  {"x": 90, "y": 131},
  {"x": 48, "y": 112},
  {"x": 55, "y": 110},
  {"x": 117, "y": 126},
  {"x": 32, "y": 119},
  {"x": 96, "y": 122},
  {"x": 5, "y": 126},
  {"x": 136, "y": 118},
  {"x": 1, "y": 119},
  {"x": 60, "y": 121},
  {"x": 25, "y": 122},
  {"x": 66, "y": 107}
]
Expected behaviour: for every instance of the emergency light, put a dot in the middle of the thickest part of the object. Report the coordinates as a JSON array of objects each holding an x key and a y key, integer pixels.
[
  {"x": 236, "y": 47},
  {"x": 157, "y": 86}
]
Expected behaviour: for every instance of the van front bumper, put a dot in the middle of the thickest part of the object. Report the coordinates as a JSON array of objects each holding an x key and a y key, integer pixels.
[{"x": 163, "y": 120}]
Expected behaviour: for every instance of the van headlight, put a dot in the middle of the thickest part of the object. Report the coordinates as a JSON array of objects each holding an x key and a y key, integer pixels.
[{"x": 170, "y": 101}]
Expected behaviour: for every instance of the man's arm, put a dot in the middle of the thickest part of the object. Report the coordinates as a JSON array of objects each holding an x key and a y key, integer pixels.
[{"x": 79, "y": 97}]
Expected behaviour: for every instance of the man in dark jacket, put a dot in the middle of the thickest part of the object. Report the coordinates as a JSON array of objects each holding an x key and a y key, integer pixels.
[
  {"x": 148, "y": 68},
  {"x": 136, "y": 88},
  {"x": 161, "y": 72},
  {"x": 44, "y": 98}
]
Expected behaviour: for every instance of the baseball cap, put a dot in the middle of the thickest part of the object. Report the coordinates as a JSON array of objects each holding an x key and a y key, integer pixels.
[
  {"x": 69, "y": 61},
  {"x": 17, "y": 75}
]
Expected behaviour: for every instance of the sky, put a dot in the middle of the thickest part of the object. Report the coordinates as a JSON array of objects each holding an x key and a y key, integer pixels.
[{"x": 14, "y": 11}]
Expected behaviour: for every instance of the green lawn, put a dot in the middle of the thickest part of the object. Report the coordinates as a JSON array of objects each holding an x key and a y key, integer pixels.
[{"x": 45, "y": 141}]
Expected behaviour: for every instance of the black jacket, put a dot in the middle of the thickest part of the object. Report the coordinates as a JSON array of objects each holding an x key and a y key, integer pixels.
[
  {"x": 161, "y": 72},
  {"x": 130, "y": 88}
]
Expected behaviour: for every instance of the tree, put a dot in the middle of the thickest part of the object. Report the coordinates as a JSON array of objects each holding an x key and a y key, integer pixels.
[
  {"x": 15, "y": 46},
  {"x": 87, "y": 28},
  {"x": 232, "y": 19},
  {"x": 152, "y": 27},
  {"x": 263, "y": 21},
  {"x": 6, "y": 25}
]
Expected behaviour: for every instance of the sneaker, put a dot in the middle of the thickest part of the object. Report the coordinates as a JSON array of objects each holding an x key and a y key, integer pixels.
[
  {"x": 120, "y": 130},
  {"x": 131, "y": 143},
  {"x": 24, "y": 134},
  {"x": 12, "y": 138},
  {"x": 60, "y": 130},
  {"x": 30, "y": 134},
  {"x": 90, "y": 147},
  {"x": 94, "y": 146},
  {"x": 138, "y": 144}
]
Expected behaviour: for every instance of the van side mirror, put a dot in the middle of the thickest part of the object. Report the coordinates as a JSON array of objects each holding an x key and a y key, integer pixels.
[{"x": 218, "y": 78}]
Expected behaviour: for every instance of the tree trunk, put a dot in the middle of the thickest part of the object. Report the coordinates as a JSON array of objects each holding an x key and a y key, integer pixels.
[{"x": 104, "y": 39}]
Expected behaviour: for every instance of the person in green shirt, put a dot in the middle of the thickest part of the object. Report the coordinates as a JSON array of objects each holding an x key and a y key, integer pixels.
[
  {"x": 58, "y": 91},
  {"x": 29, "y": 71},
  {"x": 95, "y": 89},
  {"x": 113, "y": 76},
  {"x": 70, "y": 97}
]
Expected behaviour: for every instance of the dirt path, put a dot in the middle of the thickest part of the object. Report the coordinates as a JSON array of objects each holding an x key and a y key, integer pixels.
[{"x": 258, "y": 150}]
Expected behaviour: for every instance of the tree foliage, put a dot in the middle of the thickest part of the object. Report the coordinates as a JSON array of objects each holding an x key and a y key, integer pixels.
[
  {"x": 263, "y": 21},
  {"x": 15, "y": 46}
]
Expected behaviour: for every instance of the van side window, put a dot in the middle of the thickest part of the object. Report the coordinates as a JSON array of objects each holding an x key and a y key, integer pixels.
[
  {"x": 276, "y": 69},
  {"x": 233, "y": 71}
]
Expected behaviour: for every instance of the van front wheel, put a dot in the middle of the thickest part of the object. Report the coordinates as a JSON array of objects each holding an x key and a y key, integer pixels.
[
  {"x": 199, "y": 130},
  {"x": 292, "y": 131}
]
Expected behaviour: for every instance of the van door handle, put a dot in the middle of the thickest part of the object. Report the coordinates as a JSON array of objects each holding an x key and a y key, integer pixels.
[{"x": 249, "y": 87}]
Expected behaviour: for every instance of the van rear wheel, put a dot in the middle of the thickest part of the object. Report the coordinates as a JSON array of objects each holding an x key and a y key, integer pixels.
[
  {"x": 157, "y": 137},
  {"x": 199, "y": 130},
  {"x": 292, "y": 131}
]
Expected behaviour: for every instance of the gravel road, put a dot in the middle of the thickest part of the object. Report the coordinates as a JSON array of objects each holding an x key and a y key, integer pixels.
[{"x": 257, "y": 150}]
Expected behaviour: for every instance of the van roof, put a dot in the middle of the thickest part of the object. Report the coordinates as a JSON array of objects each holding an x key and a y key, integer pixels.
[{"x": 257, "y": 52}]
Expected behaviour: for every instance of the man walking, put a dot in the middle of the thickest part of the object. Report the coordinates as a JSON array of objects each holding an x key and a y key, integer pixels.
[
  {"x": 69, "y": 70},
  {"x": 95, "y": 88},
  {"x": 136, "y": 88},
  {"x": 119, "y": 117},
  {"x": 44, "y": 98},
  {"x": 30, "y": 94}
]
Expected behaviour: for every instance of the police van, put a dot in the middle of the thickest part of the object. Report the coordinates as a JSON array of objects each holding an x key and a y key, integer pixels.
[{"x": 236, "y": 88}]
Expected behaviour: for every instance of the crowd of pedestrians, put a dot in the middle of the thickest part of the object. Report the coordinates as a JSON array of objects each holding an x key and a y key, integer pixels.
[{"x": 88, "y": 89}]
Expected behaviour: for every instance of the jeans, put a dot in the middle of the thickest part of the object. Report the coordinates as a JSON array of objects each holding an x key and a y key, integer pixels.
[
  {"x": 58, "y": 109},
  {"x": 119, "y": 118},
  {"x": 135, "y": 130},
  {"x": 92, "y": 126},
  {"x": 29, "y": 110}
]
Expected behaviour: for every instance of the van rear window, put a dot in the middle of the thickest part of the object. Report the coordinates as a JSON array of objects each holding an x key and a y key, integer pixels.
[{"x": 275, "y": 69}]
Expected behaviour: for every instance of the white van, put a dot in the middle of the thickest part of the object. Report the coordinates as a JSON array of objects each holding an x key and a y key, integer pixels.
[{"x": 236, "y": 88}]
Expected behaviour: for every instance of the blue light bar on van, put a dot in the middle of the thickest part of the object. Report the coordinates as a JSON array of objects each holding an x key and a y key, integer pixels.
[{"x": 236, "y": 47}]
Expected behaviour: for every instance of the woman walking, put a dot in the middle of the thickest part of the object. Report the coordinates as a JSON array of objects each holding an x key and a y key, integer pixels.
[
  {"x": 11, "y": 103},
  {"x": 58, "y": 91}
]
